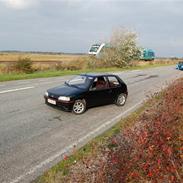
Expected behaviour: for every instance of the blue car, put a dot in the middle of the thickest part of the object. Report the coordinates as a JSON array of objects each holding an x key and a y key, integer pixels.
[{"x": 180, "y": 65}]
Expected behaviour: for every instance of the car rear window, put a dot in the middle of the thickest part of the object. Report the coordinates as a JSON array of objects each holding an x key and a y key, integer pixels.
[{"x": 113, "y": 81}]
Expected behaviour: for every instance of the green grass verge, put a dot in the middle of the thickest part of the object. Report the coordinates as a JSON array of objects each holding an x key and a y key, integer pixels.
[
  {"x": 54, "y": 73},
  {"x": 93, "y": 147}
]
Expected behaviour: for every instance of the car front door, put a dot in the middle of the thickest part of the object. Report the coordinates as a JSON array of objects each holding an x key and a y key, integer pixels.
[
  {"x": 115, "y": 87},
  {"x": 100, "y": 92}
]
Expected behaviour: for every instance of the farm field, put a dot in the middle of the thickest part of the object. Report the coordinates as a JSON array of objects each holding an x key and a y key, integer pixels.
[
  {"x": 56, "y": 57},
  {"x": 38, "y": 57}
]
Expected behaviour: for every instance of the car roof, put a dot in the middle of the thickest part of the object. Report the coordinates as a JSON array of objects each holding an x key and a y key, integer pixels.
[{"x": 97, "y": 74}]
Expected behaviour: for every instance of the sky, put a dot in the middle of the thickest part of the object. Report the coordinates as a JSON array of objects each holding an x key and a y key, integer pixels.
[{"x": 72, "y": 26}]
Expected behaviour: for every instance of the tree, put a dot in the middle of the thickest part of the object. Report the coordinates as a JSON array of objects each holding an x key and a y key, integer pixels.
[{"x": 123, "y": 48}]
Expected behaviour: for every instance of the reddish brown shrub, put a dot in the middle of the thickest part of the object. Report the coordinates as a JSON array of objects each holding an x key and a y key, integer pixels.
[{"x": 152, "y": 150}]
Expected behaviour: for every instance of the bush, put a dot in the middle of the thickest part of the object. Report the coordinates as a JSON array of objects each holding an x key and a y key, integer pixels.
[
  {"x": 93, "y": 63},
  {"x": 7, "y": 68},
  {"x": 78, "y": 64},
  {"x": 1, "y": 68},
  {"x": 24, "y": 65},
  {"x": 59, "y": 66}
]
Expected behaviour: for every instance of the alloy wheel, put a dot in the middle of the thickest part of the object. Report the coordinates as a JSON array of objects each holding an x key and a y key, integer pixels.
[{"x": 78, "y": 107}]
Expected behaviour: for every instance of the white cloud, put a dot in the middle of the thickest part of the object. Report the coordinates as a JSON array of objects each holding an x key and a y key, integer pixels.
[{"x": 18, "y": 4}]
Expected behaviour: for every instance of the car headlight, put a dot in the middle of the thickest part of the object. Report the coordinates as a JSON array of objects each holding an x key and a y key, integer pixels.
[
  {"x": 46, "y": 94},
  {"x": 63, "y": 98}
]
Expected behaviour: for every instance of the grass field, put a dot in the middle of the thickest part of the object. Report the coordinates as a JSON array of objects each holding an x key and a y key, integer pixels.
[
  {"x": 35, "y": 57},
  {"x": 51, "y": 65},
  {"x": 48, "y": 57}
]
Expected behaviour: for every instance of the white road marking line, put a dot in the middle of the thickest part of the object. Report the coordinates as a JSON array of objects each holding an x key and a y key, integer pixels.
[
  {"x": 70, "y": 147},
  {"x": 14, "y": 90}
]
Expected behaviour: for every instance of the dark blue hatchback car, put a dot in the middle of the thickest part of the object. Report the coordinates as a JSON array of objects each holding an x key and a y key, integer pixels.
[
  {"x": 180, "y": 65},
  {"x": 88, "y": 90}
]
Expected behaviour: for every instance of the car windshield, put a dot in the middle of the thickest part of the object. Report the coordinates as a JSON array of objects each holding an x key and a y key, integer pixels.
[
  {"x": 180, "y": 62},
  {"x": 94, "y": 48},
  {"x": 82, "y": 82}
]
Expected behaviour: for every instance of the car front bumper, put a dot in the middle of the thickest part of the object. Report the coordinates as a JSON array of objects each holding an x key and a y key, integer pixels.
[{"x": 66, "y": 106}]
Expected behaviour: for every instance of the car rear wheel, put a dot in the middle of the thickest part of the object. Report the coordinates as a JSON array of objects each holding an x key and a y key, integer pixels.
[
  {"x": 121, "y": 99},
  {"x": 79, "y": 107}
]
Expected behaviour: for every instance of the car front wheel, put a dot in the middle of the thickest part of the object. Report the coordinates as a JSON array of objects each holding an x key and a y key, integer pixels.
[
  {"x": 121, "y": 99},
  {"x": 79, "y": 107}
]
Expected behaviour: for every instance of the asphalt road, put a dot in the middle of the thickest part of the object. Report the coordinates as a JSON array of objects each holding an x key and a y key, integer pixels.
[{"x": 34, "y": 136}]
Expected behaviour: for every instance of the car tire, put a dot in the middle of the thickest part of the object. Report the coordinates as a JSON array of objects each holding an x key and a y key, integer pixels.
[
  {"x": 79, "y": 107},
  {"x": 121, "y": 99}
]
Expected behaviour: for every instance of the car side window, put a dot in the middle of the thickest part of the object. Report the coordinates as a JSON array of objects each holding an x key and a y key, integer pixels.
[
  {"x": 113, "y": 81},
  {"x": 100, "y": 83}
]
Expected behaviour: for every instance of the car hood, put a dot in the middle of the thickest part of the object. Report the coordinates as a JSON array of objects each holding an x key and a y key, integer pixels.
[{"x": 65, "y": 91}]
